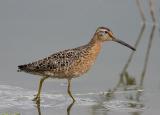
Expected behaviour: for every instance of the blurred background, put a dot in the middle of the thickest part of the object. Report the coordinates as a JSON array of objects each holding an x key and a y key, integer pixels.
[{"x": 33, "y": 29}]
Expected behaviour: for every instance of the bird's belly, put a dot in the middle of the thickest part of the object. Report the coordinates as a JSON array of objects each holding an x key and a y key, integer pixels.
[
  {"x": 81, "y": 67},
  {"x": 75, "y": 70}
]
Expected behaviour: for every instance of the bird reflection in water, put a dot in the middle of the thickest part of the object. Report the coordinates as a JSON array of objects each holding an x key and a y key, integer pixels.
[
  {"x": 38, "y": 106},
  {"x": 70, "y": 107}
]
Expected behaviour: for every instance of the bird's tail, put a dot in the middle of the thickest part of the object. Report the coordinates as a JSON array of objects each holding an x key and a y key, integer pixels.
[{"x": 21, "y": 68}]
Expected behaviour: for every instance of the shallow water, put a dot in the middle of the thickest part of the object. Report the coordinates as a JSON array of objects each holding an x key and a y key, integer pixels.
[
  {"x": 131, "y": 101},
  {"x": 20, "y": 99},
  {"x": 34, "y": 29}
]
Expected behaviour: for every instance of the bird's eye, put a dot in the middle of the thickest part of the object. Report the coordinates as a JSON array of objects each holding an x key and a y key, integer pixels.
[{"x": 106, "y": 32}]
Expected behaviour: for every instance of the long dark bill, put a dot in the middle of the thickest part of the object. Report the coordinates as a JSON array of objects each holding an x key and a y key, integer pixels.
[{"x": 123, "y": 43}]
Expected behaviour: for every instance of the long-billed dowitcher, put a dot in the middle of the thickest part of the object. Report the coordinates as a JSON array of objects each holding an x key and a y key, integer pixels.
[{"x": 70, "y": 63}]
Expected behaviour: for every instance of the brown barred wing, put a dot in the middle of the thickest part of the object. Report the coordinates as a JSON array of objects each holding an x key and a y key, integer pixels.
[
  {"x": 56, "y": 62},
  {"x": 60, "y": 61}
]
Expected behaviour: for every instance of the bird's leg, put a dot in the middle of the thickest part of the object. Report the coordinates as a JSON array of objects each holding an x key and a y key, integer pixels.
[
  {"x": 37, "y": 96},
  {"x": 69, "y": 108},
  {"x": 69, "y": 90}
]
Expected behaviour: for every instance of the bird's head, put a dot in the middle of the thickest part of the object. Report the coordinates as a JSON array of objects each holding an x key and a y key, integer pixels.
[{"x": 104, "y": 34}]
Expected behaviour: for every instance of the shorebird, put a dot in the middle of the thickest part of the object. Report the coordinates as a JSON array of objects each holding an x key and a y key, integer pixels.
[{"x": 70, "y": 63}]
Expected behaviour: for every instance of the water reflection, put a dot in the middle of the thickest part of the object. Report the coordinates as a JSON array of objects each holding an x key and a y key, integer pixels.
[
  {"x": 136, "y": 45},
  {"x": 140, "y": 11},
  {"x": 147, "y": 54},
  {"x": 151, "y": 9},
  {"x": 19, "y": 98},
  {"x": 38, "y": 106},
  {"x": 125, "y": 96},
  {"x": 131, "y": 92},
  {"x": 69, "y": 108},
  {"x": 153, "y": 15}
]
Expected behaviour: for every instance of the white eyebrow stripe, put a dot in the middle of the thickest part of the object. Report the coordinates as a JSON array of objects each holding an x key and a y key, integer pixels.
[{"x": 103, "y": 30}]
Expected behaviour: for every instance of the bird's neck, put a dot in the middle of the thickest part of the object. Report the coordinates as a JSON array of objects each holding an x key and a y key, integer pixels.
[
  {"x": 94, "y": 39},
  {"x": 95, "y": 45},
  {"x": 95, "y": 42}
]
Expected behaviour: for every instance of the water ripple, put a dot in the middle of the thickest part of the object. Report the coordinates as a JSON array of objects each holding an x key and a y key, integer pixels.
[
  {"x": 124, "y": 105},
  {"x": 11, "y": 96},
  {"x": 17, "y": 97}
]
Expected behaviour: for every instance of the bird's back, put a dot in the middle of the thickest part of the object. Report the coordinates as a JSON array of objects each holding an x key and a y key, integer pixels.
[{"x": 64, "y": 64}]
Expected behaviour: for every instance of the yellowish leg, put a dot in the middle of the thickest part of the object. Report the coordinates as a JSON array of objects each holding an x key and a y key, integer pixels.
[
  {"x": 37, "y": 97},
  {"x": 69, "y": 108},
  {"x": 69, "y": 90}
]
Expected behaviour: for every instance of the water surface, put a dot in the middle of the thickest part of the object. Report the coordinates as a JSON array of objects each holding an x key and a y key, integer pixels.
[{"x": 35, "y": 29}]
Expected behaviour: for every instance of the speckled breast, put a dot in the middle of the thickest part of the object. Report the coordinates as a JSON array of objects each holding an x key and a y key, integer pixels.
[{"x": 84, "y": 63}]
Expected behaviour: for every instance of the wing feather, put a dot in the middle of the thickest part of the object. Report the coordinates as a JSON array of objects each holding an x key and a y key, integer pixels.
[{"x": 61, "y": 60}]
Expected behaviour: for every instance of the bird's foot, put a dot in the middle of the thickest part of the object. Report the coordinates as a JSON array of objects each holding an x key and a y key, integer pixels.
[{"x": 36, "y": 99}]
